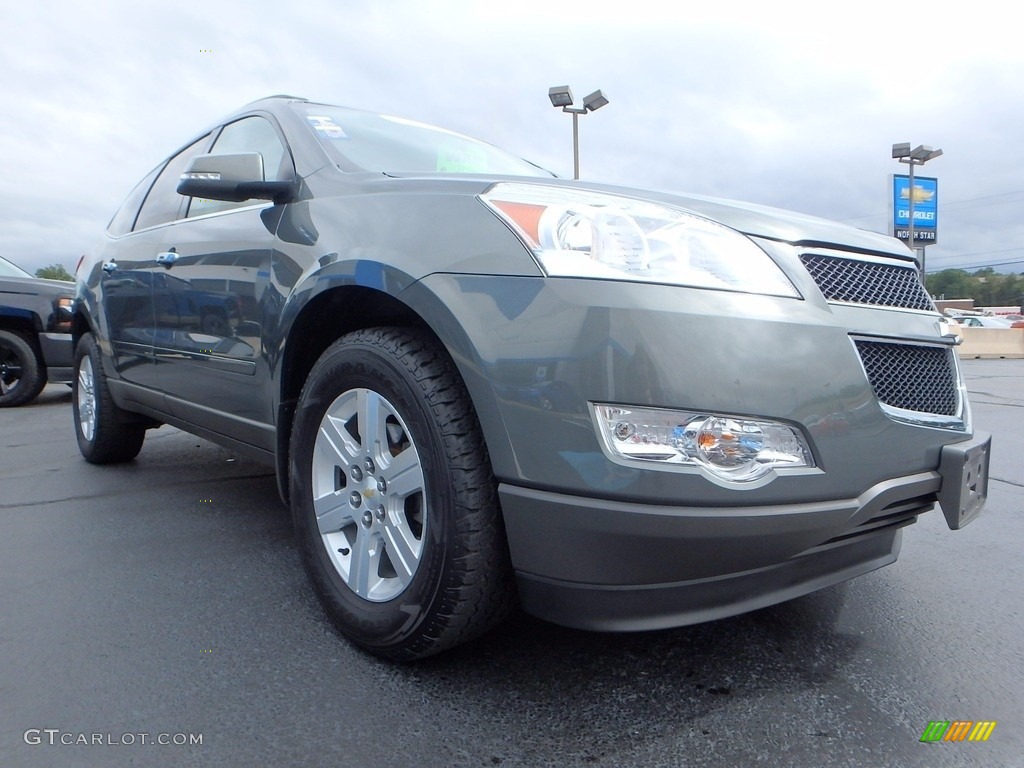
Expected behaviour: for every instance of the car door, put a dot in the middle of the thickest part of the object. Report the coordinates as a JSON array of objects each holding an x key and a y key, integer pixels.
[
  {"x": 125, "y": 277},
  {"x": 215, "y": 263}
]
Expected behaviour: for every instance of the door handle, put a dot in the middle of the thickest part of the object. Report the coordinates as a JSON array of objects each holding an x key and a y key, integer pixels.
[
  {"x": 109, "y": 267},
  {"x": 167, "y": 258}
]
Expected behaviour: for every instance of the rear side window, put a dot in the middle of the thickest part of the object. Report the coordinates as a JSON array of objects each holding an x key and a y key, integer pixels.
[
  {"x": 163, "y": 201},
  {"x": 123, "y": 220}
]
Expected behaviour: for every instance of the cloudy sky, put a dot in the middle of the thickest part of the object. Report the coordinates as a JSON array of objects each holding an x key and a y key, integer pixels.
[{"x": 787, "y": 103}]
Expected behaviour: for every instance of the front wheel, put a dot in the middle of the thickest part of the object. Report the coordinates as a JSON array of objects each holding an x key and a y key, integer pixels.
[
  {"x": 22, "y": 378},
  {"x": 106, "y": 434},
  {"x": 393, "y": 497}
]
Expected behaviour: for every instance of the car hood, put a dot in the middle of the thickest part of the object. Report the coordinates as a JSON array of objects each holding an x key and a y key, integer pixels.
[
  {"x": 772, "y": 223},
  {"x": 36, "y": 286},
  {"x": 749, "y": 218},
  {"x": 788, "y": 226}
]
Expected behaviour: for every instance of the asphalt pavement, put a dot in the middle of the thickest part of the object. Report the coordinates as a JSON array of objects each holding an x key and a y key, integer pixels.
[{"x": 157, "y": 614}]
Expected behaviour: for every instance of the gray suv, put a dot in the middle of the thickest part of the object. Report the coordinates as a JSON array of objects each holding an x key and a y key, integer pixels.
[{"x": 481, "y": 384}]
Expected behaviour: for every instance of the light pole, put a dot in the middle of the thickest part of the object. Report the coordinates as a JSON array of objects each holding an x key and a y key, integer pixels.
[
  {"x": 920, "y": 155},
  {"x": 561, "y": 96}
]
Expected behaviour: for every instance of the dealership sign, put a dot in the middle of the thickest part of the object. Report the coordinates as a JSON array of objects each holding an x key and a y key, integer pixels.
[{"x": 926, "y": 209}]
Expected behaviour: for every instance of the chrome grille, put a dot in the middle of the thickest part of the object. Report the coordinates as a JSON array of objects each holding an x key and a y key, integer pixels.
[
  {"x": 867, "y": 282},
  {"x": 913, "y": 377}
]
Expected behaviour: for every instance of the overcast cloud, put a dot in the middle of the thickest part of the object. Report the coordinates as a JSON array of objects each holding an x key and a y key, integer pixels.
[{"x": 788, "y": 104}]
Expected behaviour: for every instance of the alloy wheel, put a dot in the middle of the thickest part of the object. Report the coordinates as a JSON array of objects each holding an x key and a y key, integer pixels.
[
  {"x": 369, "y": 495},
  {"x": 86, "y": 395}
]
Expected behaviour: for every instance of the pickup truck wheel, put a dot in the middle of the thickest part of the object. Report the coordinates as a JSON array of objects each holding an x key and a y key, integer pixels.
[
  {"x": 21, "y": 375},
  {"x": 105, "y": 435},
  {"x": 393, "y": 497}
]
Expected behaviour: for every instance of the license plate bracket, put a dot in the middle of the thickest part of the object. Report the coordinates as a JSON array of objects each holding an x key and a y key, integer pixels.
[{"x": 964, "y": 469}]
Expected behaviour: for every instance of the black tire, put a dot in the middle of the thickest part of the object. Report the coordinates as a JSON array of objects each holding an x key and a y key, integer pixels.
[
  {"x": 106, "y": 434},
  {"x": 22, "y": 376},
  {"x": 412, "y": 484}
]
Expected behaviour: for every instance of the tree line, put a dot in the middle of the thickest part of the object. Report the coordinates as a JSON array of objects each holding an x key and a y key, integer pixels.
[
  {"x": 55, "y": 272},
  {"x": 987, "y": 287}
]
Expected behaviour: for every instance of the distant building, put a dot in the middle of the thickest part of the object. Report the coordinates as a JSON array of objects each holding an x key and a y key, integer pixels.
[{"x": 956, "y": 305}]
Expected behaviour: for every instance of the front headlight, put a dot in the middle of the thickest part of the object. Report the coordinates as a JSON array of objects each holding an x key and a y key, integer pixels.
[
  {"x": 577, "y": 233},
  {"x": 63, "y": 314}
]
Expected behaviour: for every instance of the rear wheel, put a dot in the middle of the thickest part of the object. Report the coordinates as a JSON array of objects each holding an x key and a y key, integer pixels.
[
  {"x": 106, "y": 434},
  {"x": 393, "y": 497},
  {"x": 22, "y": 377}
]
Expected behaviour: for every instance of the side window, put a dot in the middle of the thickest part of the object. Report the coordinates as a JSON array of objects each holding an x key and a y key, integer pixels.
[
  {"x": 163, "y": 201},
  {"x": 250, "y": 134},
  {"x": 123, "y": 220}
]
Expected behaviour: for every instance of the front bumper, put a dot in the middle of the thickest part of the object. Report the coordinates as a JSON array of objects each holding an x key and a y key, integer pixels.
[
  {"x": 539, "y": 352},
  {"x": 59, "y": 354},
  {"x": 615, "y": 566},
  {"x": 599, "y": 545},
  {"x": 620, "y": 566}
]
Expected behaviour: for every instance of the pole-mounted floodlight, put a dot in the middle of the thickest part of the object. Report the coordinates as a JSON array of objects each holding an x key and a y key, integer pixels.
[
  {"x": 596, "y": 100},
  {"x": 561, "y": 96},
  {"x": 923, "y": 154},
  {"x": 919, "y": 155}
]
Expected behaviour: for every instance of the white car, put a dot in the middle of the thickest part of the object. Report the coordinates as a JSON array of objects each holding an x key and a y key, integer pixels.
[{"x": 984, "y": 321}]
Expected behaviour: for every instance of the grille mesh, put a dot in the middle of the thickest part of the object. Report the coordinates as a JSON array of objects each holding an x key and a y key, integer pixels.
[
  {"x": 911, "y": 376},
  {"x": 865, "y": 282}
]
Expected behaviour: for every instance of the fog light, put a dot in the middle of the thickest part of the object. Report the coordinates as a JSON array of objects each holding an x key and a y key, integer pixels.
[
  {"x": 728, "y": 443},
  {"x": 733, "y": 448}
]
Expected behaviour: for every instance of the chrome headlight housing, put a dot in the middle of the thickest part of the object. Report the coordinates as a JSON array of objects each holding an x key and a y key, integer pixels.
[
  {"x": 578, "y": 233},
  {"x": 737, "y": 451}
]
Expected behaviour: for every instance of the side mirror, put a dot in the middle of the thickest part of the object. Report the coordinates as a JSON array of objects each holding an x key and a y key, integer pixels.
[{"x": 235, "y": 178}]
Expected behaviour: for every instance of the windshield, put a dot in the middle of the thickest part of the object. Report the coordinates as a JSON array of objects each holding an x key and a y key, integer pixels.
[
  {"x": 9, "y": 270},
  {"x": 366, "y": 141}
]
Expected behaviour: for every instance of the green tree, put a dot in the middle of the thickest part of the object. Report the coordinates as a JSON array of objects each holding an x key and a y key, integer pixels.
[
  {"x": 987, "y": 287},
  {"x": 1015, "y": 289},
  {"x": 994, "y": 289},
  {"x": 1006, "y": 290},
  {"x": 55, "y": 272},
  {"x": 951, "y": 284}
]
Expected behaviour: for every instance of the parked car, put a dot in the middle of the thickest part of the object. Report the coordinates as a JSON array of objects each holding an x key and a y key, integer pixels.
[
  {"x": 35, "y": 334},
  {"x": 478, "y": 382},
  {"x": 1015, "y": 320},
  {"x": 986, "y": 321}
]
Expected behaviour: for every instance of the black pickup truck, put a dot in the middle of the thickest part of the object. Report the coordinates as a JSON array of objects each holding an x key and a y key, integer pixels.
[{"x": 35, "y": 334}]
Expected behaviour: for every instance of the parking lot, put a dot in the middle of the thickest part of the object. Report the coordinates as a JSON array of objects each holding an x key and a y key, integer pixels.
[{"x": 156, "y": 613}]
